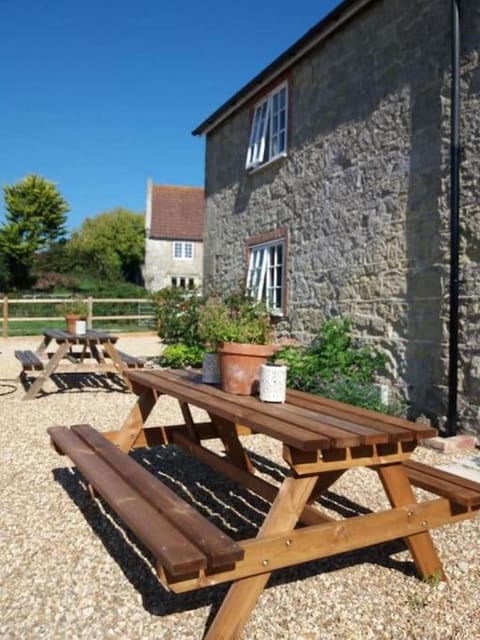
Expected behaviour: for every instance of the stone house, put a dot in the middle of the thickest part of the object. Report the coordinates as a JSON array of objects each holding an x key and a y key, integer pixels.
[
  {"x": 328, "y": 189},
  {"x": 173, "y": 237}
]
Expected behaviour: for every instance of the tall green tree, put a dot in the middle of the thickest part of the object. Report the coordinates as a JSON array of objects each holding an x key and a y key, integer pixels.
[
  {"x": 35, "y": 217},
  {"x": 111, "y": 245}
]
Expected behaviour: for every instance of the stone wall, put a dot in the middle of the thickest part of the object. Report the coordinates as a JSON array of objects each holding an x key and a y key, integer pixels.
[
  {"x": 364, "y": 193},
  {"x": 160, "y": 268}
]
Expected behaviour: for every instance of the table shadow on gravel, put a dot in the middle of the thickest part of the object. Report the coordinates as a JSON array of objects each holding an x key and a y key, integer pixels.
[
  {"x": 233, "y": 508},
  {"x": 78, "y": 382}
]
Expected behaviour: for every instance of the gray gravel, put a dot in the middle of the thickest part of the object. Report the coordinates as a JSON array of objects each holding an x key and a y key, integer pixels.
[{"x": 69, "y": 570}]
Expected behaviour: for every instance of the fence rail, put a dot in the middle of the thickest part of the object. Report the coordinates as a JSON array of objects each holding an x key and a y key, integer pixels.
[{"x": 143, "y": 319}]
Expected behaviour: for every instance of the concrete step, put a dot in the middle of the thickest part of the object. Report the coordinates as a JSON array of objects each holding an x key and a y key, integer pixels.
[{"x": 467, "y": 467}]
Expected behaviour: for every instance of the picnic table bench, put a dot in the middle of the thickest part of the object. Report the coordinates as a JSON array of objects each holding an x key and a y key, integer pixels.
[
  {"x": 131, "y": 362},
  {"x": 29, "y": 360},
  {"x": 181, "y": 539},
  {"x": 73, "y": 353},
  {"x": 320, "y": 440}
]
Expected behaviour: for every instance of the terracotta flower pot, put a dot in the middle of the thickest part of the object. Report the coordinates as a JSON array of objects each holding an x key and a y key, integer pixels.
[
  {"x": 240, "y": 366},
  {"x": 71, "y": 319}
]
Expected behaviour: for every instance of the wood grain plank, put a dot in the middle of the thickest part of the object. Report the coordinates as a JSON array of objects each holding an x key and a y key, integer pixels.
[
  {"x": 420, "y": 430},
  {"x": 175, "y": 551},
  {"x": 222, "y": 404},
  {"x": 216, "y": 545}
]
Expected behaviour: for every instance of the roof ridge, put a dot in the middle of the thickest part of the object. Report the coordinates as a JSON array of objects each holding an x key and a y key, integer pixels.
[{"x": 177, "y": 186}]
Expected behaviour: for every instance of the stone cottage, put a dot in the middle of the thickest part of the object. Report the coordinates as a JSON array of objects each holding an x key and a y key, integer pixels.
[
  {"x": 173, "y": 237},
  {"x": 328, "y": 189}
]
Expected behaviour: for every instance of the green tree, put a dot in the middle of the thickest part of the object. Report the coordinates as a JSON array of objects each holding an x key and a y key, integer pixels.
[
  {"x": 111, "y": 245},
  {"x": 35, "y": 218}
]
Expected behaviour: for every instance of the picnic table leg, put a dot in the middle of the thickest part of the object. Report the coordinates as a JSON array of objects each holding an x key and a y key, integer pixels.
[
  {"x": 227, "y": 432},
  {"x": 112, "y": 352},
  {"x": 133, "y": 425},
  {"x": 97, "y": 353},
  {"x": 243, "y": 594},
  {"x": 43, "y": 346},
  {"x": 50, "y": 367},
  {"x": 399, "y": 491}
]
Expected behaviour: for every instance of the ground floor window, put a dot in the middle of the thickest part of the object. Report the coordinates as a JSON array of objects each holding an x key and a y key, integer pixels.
[
  {"x": 266, "y": 273},
  {"x": 181, "y": 282}
]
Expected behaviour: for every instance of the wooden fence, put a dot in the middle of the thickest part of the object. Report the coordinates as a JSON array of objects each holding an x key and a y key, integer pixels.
[{"x": 140, "y": 317}]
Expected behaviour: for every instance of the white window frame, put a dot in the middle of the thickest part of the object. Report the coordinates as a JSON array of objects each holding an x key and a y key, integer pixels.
[
  {"x": 268, "y": 136},
  {"x": 182, "y": 282},
  {"x": 263, "y": 282},
  {"x": 182, "y": 250}
]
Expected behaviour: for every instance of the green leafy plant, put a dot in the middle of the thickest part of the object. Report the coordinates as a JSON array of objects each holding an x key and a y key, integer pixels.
[
  {"x": 72, "y": 307},
  {"x": 433, "y": 580},
  {"x": 178, "y": 316},
  {"x": 234, "y": 318},
  {"x": 179, "y": 356},
  {"x": 333, "y": 355},
  {"x": 337, "y": 366}
]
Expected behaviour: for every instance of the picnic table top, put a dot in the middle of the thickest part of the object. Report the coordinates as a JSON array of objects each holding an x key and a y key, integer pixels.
[
  {"x": 90, "y": 336},
  {"x": 304, "y": 421}
]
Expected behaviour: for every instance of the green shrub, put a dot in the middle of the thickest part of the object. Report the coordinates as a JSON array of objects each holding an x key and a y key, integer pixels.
[
  {"x": 360, "y": 394},
  {"x": 337, "y": 366},
  {"x": 234, "y": 318},
  {"x": 179, "y": 356},
  {"x": 333, "y": 354},
  {"x": 177, "y": 315}
]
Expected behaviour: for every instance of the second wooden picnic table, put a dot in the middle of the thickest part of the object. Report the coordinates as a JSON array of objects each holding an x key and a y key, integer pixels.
[{"x": 74, "y": 352}]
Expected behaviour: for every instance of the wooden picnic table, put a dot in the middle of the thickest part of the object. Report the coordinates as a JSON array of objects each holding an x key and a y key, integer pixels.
[
  {"x": 92, "y": 351},
  {"x": 320, "y": 440}
]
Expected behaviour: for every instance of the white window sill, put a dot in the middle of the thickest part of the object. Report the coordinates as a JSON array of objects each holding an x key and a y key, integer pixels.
[{"x": 259, "y": 167}]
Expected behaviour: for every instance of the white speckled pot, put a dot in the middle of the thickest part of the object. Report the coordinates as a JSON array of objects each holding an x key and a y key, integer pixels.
[
  {"x": 273, "y": 382},
  {"x": 80, "y": 327},
  {"x": 211, "y": 369}
]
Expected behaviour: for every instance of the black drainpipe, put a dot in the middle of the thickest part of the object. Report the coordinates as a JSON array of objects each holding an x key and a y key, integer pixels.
[{"x": 454, "y": 221}]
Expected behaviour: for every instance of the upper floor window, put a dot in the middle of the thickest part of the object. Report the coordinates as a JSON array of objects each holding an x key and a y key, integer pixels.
[
  {"x": 268, "y": 137},
  {"x": 182, "y": 250},
  {"x": 265, "y": 277}
]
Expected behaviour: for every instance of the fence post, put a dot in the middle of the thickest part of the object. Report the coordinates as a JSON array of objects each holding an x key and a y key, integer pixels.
[
  {"x": 89, "y": 312},
  {"x": 5, "y": 317}
]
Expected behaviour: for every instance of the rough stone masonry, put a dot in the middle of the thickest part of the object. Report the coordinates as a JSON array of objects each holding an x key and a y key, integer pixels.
[{"x": 364, "y": 195}]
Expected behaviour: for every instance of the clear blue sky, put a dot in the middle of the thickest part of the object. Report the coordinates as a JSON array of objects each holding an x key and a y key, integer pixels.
[{"x": 99, "y": 95}]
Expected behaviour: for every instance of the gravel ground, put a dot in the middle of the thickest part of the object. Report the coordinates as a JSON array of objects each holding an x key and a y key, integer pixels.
[{"x": 68, "y": 570}]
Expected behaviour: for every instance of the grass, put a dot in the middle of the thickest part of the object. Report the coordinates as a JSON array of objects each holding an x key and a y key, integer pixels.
[{"x": 35, "y": 327}]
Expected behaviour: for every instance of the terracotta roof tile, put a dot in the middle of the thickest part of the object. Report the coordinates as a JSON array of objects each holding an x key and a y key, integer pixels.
[{"x": 177, "y": 212}]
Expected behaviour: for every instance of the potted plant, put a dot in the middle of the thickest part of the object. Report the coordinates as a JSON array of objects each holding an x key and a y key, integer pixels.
[
  {"x": 239, "y": 329},
  {"x": 73, "y": 310}
]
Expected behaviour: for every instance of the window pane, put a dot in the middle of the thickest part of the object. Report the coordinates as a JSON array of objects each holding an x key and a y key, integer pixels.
[
  {"x": 268, "y": 133},
  {"x": 256, "y": 149},
  {"x": 265, "y": 274}
]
